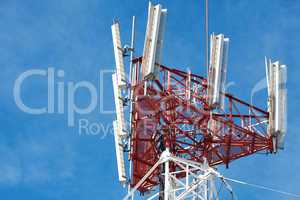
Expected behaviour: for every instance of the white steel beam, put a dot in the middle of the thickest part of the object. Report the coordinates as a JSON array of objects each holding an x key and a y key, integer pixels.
[{"x": 197, "y": 184}]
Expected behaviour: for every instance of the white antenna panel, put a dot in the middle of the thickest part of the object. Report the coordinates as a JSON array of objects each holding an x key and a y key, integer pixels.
[
  {"x": 280, "y": 104},
  {"x": 217, "y": 70},
  {"x": 277, "y": 76},
  {"x": 271, "y": 99},
  {"x": 161, "y": 30},
  {"x": 118, "y": 51},
  {"x": 154, "y": 40},
  {"x": 119, "y": 154},
  {"x": 119, "y": 106}
]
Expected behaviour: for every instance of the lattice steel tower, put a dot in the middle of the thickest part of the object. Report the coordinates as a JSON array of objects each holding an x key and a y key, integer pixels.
[{"x": 181, "y": 125}]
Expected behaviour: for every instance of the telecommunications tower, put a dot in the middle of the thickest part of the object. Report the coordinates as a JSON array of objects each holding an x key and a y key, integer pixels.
[{"x": 178, "y": 126}]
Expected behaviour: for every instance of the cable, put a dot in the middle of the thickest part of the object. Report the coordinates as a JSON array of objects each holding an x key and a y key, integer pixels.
[
  {"x": 206, "y": 36},
  {"x": 220, "y": 188},
  {"x": 263, "y": 187}
]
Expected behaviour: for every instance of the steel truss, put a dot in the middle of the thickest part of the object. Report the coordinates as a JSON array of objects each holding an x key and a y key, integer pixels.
[
  {"x": 198, "y": 182},
  {"x": 171, "y": 111}
]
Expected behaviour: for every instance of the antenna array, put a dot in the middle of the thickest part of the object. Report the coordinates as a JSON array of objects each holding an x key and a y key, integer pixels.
[
  {"x": 179, "y": 119},
  {"x": 276, "y": 75}
]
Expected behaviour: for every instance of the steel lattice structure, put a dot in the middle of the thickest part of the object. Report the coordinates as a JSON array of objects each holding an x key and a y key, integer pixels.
[
  {"x": 172, "y": 112},
  {"x": 181, "y": 125}
]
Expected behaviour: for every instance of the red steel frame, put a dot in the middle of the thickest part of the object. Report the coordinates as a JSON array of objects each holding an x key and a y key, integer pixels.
[{"x": 173, "y": 112}]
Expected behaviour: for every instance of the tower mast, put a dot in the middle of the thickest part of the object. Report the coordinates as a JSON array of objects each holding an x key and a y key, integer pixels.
[{"x": 183, "y": 125}]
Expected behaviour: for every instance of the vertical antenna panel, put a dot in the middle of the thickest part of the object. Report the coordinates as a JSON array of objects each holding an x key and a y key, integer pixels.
[
  {"x": 118, "y": 51},
  {"x": 147, "y": 40},
  {"x": 277, "y": 102},
  {"x": 119, "y": 153},
  {"x": 277, "y": 123},
  {"x": 119, "y": 106},
  {"x": 224, "y": 71},
  {"x": 217, "y": 70},
  {"x": 271, "y": 74},
  {"x": 162, "y": 22},
  {"x": 153, "y": 40},
  {"x": 280, "y": 112}
]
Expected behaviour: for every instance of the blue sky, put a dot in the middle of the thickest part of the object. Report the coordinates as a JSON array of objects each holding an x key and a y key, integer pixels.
[{"x": 41, "y": 158}]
